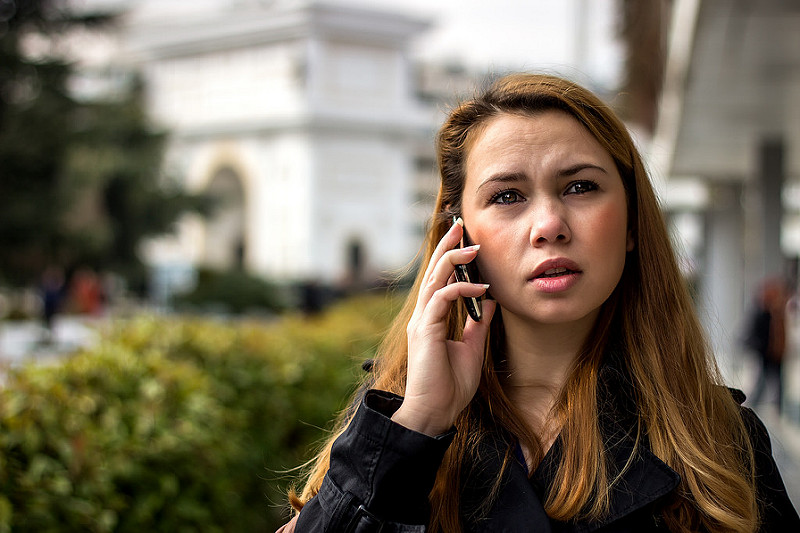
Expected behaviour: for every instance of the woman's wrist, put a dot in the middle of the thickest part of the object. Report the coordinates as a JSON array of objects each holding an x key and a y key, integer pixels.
[{"x": 424, "y": 423}]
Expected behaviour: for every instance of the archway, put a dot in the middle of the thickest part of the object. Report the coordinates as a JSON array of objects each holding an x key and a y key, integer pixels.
[
  {"x": 225, "y": 239},
  {"x": 355, "y": 262}
]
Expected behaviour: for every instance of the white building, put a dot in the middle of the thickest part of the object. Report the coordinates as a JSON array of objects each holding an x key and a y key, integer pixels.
[{"x": 302, "y": 117}]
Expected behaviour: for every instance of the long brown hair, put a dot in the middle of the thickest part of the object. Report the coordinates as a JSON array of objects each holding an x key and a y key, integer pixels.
[{"x": 688, "y": 420}]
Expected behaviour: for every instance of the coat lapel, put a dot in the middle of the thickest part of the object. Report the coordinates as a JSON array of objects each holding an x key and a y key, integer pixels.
[
  {"x": 646, "y": 479},
  {"x": 517, "y": 507}
]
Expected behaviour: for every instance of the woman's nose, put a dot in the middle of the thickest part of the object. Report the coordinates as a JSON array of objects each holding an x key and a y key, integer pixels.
[{"x": 549, "y": 224}]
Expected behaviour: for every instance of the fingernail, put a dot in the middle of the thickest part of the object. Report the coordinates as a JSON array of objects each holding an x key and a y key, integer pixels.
[
  {"x": 459, "y": 221},
  {"x": 485, "y": 285},
  {"x": 472, "y": 248}
]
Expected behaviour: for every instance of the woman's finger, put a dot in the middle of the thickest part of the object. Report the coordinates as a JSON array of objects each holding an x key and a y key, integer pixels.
[
  {"x": 443, "y": 271},
  {"x": 438, "y": 306},
  {"x": 445, "y": 267},
  {"x": 449, "y": 241}
]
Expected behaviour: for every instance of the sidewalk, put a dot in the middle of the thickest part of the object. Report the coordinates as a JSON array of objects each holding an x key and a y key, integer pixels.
[
  {"x": 785, "y": 437},
  {"x": 784, "y": 430},
  {"x": 28, "y": 340}
]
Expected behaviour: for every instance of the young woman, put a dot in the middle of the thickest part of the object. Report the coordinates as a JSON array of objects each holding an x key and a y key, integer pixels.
[{"x": 586, "y": 397}]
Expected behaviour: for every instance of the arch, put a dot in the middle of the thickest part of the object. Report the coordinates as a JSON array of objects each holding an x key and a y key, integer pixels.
[
  {"x": 355, "y": 261},
  {"x": 225, "y": 245}
]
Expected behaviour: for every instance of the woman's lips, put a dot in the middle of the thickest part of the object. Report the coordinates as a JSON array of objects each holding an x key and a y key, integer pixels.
[
  {"x": 553, "y": 272},
  {"x": 554, "y": 268},
  {"x": 555, "y": 275}
]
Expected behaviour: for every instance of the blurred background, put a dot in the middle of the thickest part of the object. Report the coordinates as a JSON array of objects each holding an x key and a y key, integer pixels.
[{"x": 209, "y": 209}]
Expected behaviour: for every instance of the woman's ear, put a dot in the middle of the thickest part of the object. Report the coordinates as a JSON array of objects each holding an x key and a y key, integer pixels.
[{"x": 631, "y": 244}]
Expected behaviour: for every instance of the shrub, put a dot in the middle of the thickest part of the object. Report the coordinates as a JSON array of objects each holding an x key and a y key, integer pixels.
[
  {"x": 232, "y": 292},
  {"x": 178, "y": 425}
]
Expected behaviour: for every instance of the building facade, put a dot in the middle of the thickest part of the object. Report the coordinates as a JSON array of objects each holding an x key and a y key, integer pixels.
[{"x": 302, "y": 120}]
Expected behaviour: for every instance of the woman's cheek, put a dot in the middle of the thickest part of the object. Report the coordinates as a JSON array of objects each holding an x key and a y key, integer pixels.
[{"x": 491, "y": 271}]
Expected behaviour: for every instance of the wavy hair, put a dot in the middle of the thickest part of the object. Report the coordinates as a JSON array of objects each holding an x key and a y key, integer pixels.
[{"x": 649, "y": 319}]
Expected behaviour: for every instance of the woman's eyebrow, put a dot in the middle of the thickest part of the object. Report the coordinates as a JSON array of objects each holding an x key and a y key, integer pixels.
[
  {"x": 574, "y": 169},
  {"x": 515, "y": 177},
  {"x": 502, "y": 177}
]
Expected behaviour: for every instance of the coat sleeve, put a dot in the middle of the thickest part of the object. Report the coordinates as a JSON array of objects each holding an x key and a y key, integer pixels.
[
  {"x": 777, "y": 511},
  {"x": 380, "y": 475}
]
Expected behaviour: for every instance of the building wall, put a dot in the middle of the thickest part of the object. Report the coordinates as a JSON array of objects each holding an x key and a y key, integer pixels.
[
  {"x": 319, "y": 123},
  {"x": 233, "y": 87},
  {"x": 361, "y": 195},
  {"x": 280, "y": 226}
]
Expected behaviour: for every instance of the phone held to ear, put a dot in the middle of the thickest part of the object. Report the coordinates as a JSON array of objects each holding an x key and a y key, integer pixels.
[{"x": 468, "y": 273}]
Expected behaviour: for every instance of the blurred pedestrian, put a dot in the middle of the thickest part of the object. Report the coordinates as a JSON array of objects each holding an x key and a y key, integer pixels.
[
  {"x": 767, "y": 339},
  {"x": 86, "y": 292},
  {"x": 52, "y": 293}
]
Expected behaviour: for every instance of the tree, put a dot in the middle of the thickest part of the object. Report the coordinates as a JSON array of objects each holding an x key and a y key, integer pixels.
[
  {"x": 34, "y": 108},
  {"x": 80, "y": 182},
  {"x": 120, "y": 195}
]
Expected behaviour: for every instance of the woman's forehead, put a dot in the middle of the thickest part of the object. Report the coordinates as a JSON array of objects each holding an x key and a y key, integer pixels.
[{"x": 547, "y": 139}]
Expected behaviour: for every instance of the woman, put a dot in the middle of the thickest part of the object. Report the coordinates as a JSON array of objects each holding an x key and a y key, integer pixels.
[{"x": 586, "y": 397}]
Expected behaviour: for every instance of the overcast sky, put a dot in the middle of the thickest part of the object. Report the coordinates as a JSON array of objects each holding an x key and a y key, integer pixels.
[
  {"x": 573, "y": 37},
  {"x": 570, "y": 36}
]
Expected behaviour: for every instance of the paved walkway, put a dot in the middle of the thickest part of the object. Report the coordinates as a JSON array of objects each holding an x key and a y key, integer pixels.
[
  {"x": 22, "y": 341},
  {"x": 785, "y": 429},
  {"x": 785, "y": 435}
]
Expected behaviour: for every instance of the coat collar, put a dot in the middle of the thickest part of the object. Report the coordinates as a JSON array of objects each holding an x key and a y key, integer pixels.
[
  {"x": 643, "y": 477},
  {"x": 518, "y": 506}
]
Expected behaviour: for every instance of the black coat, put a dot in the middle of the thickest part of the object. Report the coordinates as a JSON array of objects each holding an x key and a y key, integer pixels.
[{"x": 381, "y": 474}]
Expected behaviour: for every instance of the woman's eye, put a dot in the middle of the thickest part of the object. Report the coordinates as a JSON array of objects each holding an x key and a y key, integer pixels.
[
  {"x": 506, "y": 197},
  {"x": 581, "y": 187}
]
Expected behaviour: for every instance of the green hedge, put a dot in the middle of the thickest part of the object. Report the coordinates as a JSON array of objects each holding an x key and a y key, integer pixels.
[
  {"x": 232, "y": 292},
  {"x": 178, "y": 425}
]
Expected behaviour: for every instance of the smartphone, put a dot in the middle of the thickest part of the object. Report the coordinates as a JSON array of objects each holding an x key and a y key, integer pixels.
[{"x": 469, "y": 274}]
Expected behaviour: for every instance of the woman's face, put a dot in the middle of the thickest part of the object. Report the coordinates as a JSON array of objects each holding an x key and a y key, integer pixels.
[{"x": 547, "y": 205}]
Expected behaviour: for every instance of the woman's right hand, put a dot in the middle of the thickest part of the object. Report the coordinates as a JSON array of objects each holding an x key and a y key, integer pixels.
[{"x": 443, "y": 374}]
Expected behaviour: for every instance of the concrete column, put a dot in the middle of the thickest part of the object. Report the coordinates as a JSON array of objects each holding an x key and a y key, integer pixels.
[
  {"x": 771, "y": 177},
  {"x": 721, "y": 295}
]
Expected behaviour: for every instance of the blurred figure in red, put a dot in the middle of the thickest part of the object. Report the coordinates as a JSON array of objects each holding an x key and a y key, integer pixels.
[
  {"x": 767, "y": 337},
  {"x": 87, "y": 292}
]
